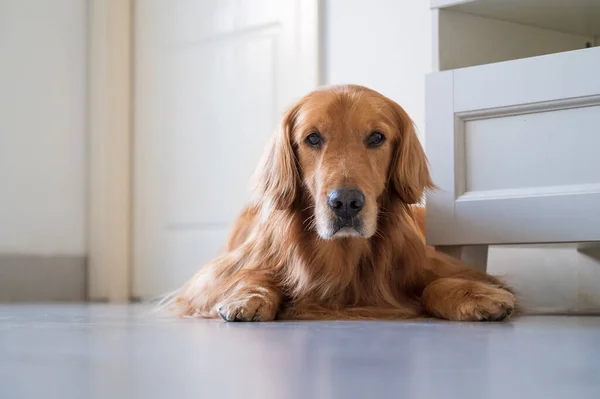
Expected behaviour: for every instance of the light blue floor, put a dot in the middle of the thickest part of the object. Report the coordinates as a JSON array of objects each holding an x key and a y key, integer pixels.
[{"x": 111, "y": 352}]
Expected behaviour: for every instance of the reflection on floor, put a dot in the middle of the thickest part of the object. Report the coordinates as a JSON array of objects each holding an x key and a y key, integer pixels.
[{"x": 103, "y": 351}]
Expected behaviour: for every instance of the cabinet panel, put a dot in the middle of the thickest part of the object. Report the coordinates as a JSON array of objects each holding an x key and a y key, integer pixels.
[{"x": 515, "y": 153}]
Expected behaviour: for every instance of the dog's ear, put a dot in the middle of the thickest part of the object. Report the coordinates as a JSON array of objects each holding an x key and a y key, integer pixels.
[
  {"x": 276, "y": 179},
  {"x": 409, "y": 173}
]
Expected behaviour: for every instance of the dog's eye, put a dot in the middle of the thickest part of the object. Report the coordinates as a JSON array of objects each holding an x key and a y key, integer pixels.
[
  {"x": 314, "y": 140},
  {"x": 375, "y": 139}
]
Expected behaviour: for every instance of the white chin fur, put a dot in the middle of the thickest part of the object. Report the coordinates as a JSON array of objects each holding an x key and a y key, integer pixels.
[
  {"x": 346, "y": 232},
  {"x": 341, "y": 233}
]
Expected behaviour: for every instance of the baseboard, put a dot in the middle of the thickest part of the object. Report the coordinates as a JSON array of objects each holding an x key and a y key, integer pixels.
[{"x": 40, "y": 278}]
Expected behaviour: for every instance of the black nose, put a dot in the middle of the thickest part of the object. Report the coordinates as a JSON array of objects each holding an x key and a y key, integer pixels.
[{"x": 346, "y": 203}]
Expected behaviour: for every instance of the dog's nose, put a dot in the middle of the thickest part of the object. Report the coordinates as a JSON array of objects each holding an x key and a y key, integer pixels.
[{"x": 346, "y": 203}]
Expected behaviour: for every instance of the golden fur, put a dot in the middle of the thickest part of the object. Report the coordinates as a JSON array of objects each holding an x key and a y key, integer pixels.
[{"x": 284, "y": 259}]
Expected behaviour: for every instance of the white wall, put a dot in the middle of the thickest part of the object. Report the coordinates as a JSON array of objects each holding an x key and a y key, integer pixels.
[
  {"x": 42, "y": 126},
  {"x": 382, "y": 44}
]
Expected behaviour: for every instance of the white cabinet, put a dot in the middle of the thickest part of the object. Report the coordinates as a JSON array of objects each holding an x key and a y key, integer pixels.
[{"x": 513, "y": 124}]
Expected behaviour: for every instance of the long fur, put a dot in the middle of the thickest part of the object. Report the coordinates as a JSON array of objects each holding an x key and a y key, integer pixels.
[{"x": 276, "y": 266}]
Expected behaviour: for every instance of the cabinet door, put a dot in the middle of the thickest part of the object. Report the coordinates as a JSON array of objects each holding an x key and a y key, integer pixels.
[{"x": 515, "y": 150}]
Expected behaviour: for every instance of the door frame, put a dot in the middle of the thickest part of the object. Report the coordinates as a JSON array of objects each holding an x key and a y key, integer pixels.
[{"x": 110, "y": 130}]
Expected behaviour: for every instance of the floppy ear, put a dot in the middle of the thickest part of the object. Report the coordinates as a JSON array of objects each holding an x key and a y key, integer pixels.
[
  {"x": 276, "y": 179},
  {"x": 409, "y": 174}
]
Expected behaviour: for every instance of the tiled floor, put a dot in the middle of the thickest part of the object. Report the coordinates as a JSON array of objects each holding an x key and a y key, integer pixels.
[{"x": 111, "y": 352}]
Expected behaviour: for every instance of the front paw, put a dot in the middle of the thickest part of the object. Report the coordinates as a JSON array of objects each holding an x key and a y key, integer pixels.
[
  {"x": 255, "y": 307},
  {"x": 495, "y": 305},
  {"x": 458, "y": 300}
]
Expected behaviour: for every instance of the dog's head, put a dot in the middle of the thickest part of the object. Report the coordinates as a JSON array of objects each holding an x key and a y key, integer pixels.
[{"x": 343, "y": 151}]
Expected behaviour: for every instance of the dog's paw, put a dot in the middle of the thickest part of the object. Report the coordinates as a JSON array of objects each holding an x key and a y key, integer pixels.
[
  {"x": 255, "y": 307},
  {"x": 495, "y": 305},
  {"x": 462, "y": 300}
]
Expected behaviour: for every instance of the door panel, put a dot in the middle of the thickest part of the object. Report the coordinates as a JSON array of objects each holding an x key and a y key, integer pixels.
[
  {"x": 212, "y": 78},
  {"x": 218, "y": 138}
]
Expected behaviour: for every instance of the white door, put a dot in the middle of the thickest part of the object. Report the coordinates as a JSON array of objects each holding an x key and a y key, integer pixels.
[{"x": 212, "y": 77}]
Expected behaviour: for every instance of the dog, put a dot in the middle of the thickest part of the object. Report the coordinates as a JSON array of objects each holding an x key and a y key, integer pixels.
[{"x": 333, "y": 229}]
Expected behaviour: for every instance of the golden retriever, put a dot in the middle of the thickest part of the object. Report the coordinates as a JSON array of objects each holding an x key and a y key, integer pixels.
[{"x": 332, "y": 231}]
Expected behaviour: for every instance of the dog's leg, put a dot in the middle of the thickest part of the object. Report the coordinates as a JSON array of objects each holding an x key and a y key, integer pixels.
[
  {"x": 454, "y": 291},
  {"x": 466, "y": 300},
  {"x": 252, "y": 297},
  {"x": 231, "y": 288}
]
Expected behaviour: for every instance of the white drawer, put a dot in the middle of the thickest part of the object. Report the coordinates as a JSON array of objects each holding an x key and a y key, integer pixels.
[{"x": 515, "y": 150}]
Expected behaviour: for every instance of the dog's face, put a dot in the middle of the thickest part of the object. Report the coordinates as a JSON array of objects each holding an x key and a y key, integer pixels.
[
  {"x": 344, "y": 150},
  {"x": 345, "y": 145}
]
